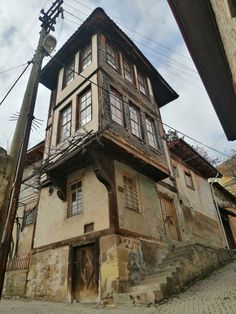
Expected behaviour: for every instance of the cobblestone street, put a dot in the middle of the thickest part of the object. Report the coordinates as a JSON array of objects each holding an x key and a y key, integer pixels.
[{"x": 215, "y": 294}]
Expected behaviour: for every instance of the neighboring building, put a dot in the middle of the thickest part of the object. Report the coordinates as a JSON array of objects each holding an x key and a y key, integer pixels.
[
  {"x": 226, "y": 203},
  {"x": 108, "y": 207},
  {"x": 192, "y": 215},
  {"x": 22, "y": 237},
  {"x": 228, "y": 169},
  {"x": 202, "y": 23}
]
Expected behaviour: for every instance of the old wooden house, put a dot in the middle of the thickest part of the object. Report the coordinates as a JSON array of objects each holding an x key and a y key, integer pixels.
[{"x": 111, "y": 206}]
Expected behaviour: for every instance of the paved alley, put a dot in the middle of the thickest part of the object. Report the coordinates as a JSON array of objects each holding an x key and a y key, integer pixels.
[{"x": 213, "y": 295}]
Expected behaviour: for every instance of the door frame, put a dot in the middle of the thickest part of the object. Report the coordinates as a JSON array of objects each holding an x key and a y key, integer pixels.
[
  {"x": 168, "y": 197},
  {"x": 72, "y": 270}
]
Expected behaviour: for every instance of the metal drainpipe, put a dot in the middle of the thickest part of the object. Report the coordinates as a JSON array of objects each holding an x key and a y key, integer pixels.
[{"x": 218, "y": 211}]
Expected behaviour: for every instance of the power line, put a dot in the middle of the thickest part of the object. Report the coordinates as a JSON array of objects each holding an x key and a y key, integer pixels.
[
  {"x": 144, "y": 36},
  {"x": 168, "y": 58},
  {"x": 13, "y": 68},
  {"x": 18, "y": 78},
  {"x": 190, "y": 82},
  {"x": 157, "y": 52},
  {"x": 28, "y": 32},
  {"x": 123, "y": 100},
  {"x": 74, "y": 15}
]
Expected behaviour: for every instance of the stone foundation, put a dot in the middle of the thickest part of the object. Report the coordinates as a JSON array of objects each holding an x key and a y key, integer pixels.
[
  {"x": 48, "y": 275},
  {"x": 15, "y": 283}
]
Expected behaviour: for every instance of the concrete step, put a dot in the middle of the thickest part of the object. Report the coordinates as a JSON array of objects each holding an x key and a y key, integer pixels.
[
  {"x": 170, "y": 266},
  {"x": 144, "y": 295},
  {"x": 144, "y": 287}
]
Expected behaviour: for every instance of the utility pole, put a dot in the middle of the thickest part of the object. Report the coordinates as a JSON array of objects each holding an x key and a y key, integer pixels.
[{"x": 19, "y": 145}]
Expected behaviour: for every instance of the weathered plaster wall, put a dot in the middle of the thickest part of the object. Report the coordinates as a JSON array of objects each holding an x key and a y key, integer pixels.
[
  {"x": 200, "y": 197},
  {"x": 227, "y": 27},
  {"x": 15, "y": 283},
  {"x": 200, "y": 219},
  {"x": 179, "y": 213},
  {"x": 48, "y": 275},
  {"x": 148, "y": 221},
  {"x": 224, "y": 202},
  {"x": 121, "y": 264},
  {"x": 25, "y": 240},
  {"x": 109, "y": 269},
  {"x": 52, "y": 222}
]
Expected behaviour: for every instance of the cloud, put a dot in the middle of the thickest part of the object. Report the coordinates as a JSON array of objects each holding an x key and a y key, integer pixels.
[{"x": 192, "y": 113}]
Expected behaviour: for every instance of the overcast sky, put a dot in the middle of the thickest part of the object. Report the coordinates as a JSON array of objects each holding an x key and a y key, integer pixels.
[{"x": 162, "y": 43}]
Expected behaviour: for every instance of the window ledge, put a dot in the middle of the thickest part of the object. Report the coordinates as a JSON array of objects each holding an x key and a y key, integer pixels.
[
  {"x": 133, "y": 210},
  {"x": 74, "y": 215}
]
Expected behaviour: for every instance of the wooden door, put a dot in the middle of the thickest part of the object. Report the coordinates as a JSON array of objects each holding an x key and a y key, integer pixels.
[
  {"x": 170, "y": 218},
  {"x": 85, "y": 273}
]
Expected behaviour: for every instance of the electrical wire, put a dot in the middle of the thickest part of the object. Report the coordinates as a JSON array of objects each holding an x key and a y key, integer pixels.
[
  {"x": 28, "y": 32},
  {"x": 73, "y": 15},
  {"x": 18, "y": 78},
  {"x": 185, "y": 79},
  {"x": 157, "y": 52},
  {"x": 13, "y": 68},
  {"x": 123, "y": 100},
  {"x": 144, "y": 36}
]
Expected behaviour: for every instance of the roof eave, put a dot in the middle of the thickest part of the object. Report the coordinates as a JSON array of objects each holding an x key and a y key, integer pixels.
[
  {"x": 198, "y": 26},
  {"x": 49, "y": 70}
]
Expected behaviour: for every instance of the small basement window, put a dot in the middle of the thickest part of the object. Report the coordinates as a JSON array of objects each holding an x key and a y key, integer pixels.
[{"x": 89, "y": 227}]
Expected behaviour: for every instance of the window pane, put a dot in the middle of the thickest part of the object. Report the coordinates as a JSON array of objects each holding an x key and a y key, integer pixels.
[
  {"x": 142, "y": 84},
  {"x": 75, "y": 199},
  {"x": 135, "y": 122},
  {"x": 151, "y": 133},
  {"x": 85, "y": 108},
  {"x": 128, "y": 71},
  {"x": 112, "y": 57},
  {"x": 69, "y": 73},
  {"x": 65, "y": 124},
  {"x": 86, "y": 56},
  {"x": 116, "y": 107}
]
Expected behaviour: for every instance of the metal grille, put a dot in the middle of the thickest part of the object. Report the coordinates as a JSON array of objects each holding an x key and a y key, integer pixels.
[
  {"x": 131, "y": 195},
  {"x": 18, "y": 263}
]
